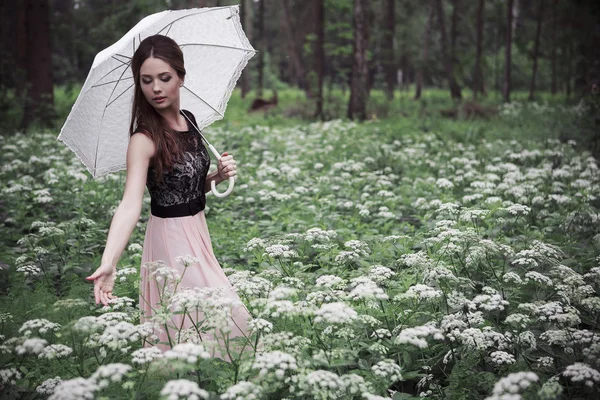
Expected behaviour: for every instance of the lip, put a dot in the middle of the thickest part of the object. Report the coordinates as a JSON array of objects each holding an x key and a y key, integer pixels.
[{"x": 159, "y": 99}]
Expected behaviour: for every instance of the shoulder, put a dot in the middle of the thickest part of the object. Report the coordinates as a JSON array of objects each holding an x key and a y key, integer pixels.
[{"x": 141, "y": 143}]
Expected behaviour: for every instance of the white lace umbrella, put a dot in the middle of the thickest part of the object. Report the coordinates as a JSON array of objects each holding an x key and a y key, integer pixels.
[{"x": 215, "y": 51}]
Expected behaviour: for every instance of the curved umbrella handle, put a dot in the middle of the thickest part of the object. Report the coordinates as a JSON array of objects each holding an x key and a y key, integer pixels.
[{"x": 213, "y": 185}]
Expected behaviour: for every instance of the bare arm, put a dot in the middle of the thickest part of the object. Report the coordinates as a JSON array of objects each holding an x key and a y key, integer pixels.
[
  {"x": 140, "y": 150},
  {"x": 126, "y": 216}
]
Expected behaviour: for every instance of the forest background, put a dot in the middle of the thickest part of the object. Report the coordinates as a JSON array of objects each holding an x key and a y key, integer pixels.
[{"x": 321, "y": 47}]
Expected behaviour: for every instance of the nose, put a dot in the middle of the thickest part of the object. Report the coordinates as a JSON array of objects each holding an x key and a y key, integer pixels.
[{"x": 156, "y": 87}]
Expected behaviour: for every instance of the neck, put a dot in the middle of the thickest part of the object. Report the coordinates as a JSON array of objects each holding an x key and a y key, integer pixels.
[{"x": 173, "y": 117}]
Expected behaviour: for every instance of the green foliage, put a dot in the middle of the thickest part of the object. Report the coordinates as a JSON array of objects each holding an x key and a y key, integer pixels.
[
  {"x": 464, "y": 375},
  {"x": 405, "y": 198},
  {"x": 11, "y": 107}
]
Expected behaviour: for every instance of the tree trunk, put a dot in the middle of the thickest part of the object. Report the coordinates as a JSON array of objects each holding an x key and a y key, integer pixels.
[
  {"x": 516, "y": 10},
  {"x": 478, "y": 78},
  {"x": 22, "y": 45},
  {"x": 22, "y": 41},
  {"x": 536, "y": 49},
  {"x": 498, "y": 7},
  {"x": 569, "y": 76},
  {"x": 10, "y": 40},
  {"x": 262, "y": 41},
  {"x": 320, "y": 54},
  {"x": 554, "y": 23},
  {"x": 389, "y": 61},
  {"x": 402, "y": 75},
  {"x": 403, "y": 68},
  {"x": 297, "y": 62},
  {"x": 359, "y": 94},
  {"x": 375, "y": 46},
  {"x": 245, "y": 17},
  {"x": 424, "y": 52},
  {"x": 448, "y": 64},
  {"x": 507, "y": 48},
  {"x": 40, "y": 85},
  {"x": 454, "y": 30},
  {"x": 581, "y": 79}
]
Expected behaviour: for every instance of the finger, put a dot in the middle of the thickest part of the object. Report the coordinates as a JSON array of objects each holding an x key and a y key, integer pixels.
[
  {"x": 97, "y": 291},
  {"x": 93, "y": 276}
]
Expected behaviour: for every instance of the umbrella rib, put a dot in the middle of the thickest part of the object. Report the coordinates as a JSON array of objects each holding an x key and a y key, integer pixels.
[
  {"x": 204, "y": 101},
  {"x": 113, "y": 91},
  {"x": 116, "y": 98},
  {"x": 215, "y": 45},
  {"x": 123, "y": 55},
  {"x": 106, "y": 83},
  {"x": 121, "y": 61},
  {"x": 102, "y": 119},
  {"x": 104, "y": 112},
  {"x": 112, "y": 70},
  {"x": 169, "y": 30}
]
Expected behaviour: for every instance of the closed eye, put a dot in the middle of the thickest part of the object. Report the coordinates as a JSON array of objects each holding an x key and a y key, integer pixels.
[{"x": 165, "y": 78}]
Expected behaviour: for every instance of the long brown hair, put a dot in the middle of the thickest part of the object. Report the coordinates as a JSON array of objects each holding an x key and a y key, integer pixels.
[{"x": 144, "y": 117}]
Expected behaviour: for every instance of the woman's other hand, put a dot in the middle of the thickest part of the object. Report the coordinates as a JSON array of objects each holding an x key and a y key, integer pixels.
[
  {"x": 227, "y": 166},
  {"x": 104, "y": 282}
]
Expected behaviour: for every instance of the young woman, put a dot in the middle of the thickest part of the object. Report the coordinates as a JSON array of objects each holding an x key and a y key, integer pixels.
[{"x": 167, "y": 155}]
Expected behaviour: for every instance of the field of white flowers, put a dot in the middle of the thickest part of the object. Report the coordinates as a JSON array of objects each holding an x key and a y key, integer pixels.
[{"x": 376, "y": 264}]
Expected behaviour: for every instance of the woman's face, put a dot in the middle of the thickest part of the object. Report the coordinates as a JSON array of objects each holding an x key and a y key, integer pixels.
[{"x": 160, "y": 83}]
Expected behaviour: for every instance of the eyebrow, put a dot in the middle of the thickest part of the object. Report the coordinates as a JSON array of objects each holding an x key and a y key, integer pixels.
[{"x": 150, "y": 76}]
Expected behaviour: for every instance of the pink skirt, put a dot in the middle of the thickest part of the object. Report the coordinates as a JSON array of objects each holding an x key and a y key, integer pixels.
[{"x": 167, "y": 238}]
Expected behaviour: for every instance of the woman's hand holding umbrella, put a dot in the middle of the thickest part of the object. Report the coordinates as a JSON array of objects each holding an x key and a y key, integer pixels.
[{"x": 227, "y": 167}]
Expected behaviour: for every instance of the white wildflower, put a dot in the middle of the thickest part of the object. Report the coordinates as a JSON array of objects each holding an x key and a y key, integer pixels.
[
  {"x": 75, "y": 389},
  {"x": 417, "y": 336},
  {"x": 581, "y": 372},
  {"x": 183, "y": 389}
]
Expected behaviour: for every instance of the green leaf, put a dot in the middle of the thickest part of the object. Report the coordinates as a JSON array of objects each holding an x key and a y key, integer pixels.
[
  {"x": 406, "y": 357},
  {"x": 343, "y": 363},
  {"x": 363, "y": 365}
]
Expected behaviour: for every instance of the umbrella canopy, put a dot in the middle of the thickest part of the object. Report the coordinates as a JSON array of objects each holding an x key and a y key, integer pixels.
[{"x": 215, "y": 51}]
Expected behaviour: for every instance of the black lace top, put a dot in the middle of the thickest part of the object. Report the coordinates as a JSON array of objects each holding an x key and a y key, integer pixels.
[{"x": 185, "y": 181}]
